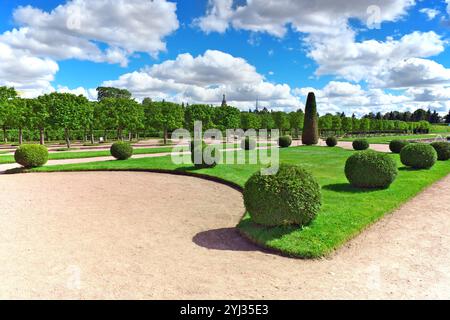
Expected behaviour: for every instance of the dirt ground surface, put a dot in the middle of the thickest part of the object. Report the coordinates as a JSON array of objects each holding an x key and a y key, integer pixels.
[{"x": 124, "y": 235}]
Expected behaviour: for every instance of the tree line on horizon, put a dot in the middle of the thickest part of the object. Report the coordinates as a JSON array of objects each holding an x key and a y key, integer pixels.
[{"x": 65, "y": 116}]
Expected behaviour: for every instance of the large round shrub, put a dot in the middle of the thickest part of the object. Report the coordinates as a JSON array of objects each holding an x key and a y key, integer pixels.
[
  {"x": 361, "y": 144},
  {"x": 248, "y": 143},
  {"x": 396, "y": 146},
  {"x": 31, "y": 155},
  {"x": 332, "y": 141},
  {"x": 121, "y": 150},
  {"x": 200, "y": 158},
  {"x": 370, "y": 169},
  {"x": 290, "y": 197},
  {"x": 285, "y": 141},
  {"x": 442, "y": 149},
  {"x": 419, "y": 156}
]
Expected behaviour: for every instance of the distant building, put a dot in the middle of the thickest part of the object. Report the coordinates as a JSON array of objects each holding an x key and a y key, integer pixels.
[{"x": 224, "y": 101}]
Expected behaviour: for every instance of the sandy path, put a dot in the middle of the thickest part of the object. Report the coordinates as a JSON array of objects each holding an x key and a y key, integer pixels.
[{"x": 144, "y": 235}]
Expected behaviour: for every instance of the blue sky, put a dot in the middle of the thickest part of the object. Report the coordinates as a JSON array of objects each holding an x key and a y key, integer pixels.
[{"x": 285, "y": 53}]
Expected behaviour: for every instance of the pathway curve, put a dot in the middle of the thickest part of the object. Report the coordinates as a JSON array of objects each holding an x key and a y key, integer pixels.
[{"x": 127, "y": 235}]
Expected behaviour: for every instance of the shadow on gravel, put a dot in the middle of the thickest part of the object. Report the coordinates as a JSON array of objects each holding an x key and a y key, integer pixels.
[{"x": 226, "y": 239}]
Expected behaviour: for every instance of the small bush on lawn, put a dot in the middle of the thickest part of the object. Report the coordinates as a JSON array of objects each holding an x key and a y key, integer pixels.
[
  {"x": 31, "y": 155},
  {"x": 285, "y": 141},
  {"x": 396, "y": 146},
  {"x": 248, "y": 143},
  {"x": 419, "y": 156},
  {"x": 198, "y": 155},
  {"x": 361, "y": 144},
  {"x": 121, "y": 150},
  {"x": 370, "y": 169},
  {"x": 332, "y": 141},
  {"x": 442, "y": 149},
  {"x": 290, "y": 197}
]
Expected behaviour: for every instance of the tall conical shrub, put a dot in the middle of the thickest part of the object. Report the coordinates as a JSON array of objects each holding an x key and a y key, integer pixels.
[{"x": 311, "y": 127}]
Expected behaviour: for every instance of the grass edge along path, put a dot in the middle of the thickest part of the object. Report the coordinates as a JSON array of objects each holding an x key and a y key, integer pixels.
[{"x": 345, "y": 213}]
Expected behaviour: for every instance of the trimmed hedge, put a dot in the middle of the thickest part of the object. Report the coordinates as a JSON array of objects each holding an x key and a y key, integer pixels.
[
  {"x": 419, "y": 156},
  {"x": 121, "y": 150},
  {"x": 370, "y": 169},
  {"x": 198, "y": 149},
  {"x": 248, "y": 143},
  {"x": 290, "y": 197},
  {"x": 285, "y": 141},
  {"x": 396, "y": 146},
  {"x": 31, "y": 155},
  {"x": 442, "y": 149},
  {"x": 361, "y": 144},
  {"x": 332, "y": 141}
]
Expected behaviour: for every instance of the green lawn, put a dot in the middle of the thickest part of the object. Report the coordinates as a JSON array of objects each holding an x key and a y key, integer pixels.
[
  {"x": 346, "y": 211},
  {"x": 388, "y": 139},
  {"x": 102, "y": 153}
]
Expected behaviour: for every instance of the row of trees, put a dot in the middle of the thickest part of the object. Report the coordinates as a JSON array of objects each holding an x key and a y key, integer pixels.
[
  {"x": 416, "y": 116},
  {"x": 117, "y": 110}
]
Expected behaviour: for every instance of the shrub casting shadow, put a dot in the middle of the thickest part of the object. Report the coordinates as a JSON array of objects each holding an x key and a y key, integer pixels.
[
  {"x": 226, "y": 239},
  {"x": 411, "y": 169},
  {"x": 348, "y": 188}
]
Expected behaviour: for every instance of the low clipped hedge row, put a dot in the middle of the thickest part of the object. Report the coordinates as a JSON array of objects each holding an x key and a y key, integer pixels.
[
  {"x": 31, "y": 155},
  {"x": 290, "y": 197},
  {"x": 370, "y": 169},
  {"x": 442, "y": 149},
  {"x": 121, "y": 150}
]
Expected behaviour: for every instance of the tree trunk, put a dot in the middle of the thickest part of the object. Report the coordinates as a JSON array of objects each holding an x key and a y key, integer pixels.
[
  {"x": 130, "y": 136},
  {"x": 41, "y": 136},
  {"x": 165, "y": 136},
  {"x": 5, "y": 138},
  {"x": 92, "y": 137},
  {"x": 66, "y": 133},
  {"x": 85, "y": 135},
  {"x": 20, "y": 136}
]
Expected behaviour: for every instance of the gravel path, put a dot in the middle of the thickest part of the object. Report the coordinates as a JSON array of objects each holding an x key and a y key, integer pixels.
[{"x": 126, "y": 235}]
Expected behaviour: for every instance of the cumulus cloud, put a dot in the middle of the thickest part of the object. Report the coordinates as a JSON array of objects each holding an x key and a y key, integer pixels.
[
  {"x": 430, "y": 13},
  {"x": 204, "y": 79},
  {"x": 75, "y": 29},
  {"x": 30, "y": 75}
]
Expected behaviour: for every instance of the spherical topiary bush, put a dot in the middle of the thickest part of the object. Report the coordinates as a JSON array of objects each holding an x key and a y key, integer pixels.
[
  {"x": 285, "y": 141},
  {"x": 200, "y": 158},
  {"x": 121, "y": 150},
  {"x": 31, "y": 155},
  {"x": 291, "y": 196},
  {"x": 442, "y": 149},
  {"x": 396, "y": 146},
  {"x": 248, "y": 143},
  {"x": 332, "y": 141},
  {"x": 370, "y": 169},
  {"x": 361, "y": 144},
  {"x": 418, "y": 156}
]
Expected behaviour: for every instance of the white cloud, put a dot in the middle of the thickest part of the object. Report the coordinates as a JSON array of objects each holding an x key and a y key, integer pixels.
[
  {"x": 30, "y": 75},
  {"x": 73, "y": 30},
  {"x": 322, "y": 17},
  {"x": 204, "y": 79},
  {"x": 430, "y": 13},
  {"x": 91, "y": 94}
]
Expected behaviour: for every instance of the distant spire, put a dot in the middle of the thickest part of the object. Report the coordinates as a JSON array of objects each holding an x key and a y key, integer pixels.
[
  {"x": 224, "y": 101},
  {"x": 257, "y": 105}
]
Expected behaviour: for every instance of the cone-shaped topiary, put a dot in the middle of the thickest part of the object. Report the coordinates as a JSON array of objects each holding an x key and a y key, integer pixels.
[
  {"x": 442, "y": 149},
  {"x": 396, "y": 146},
  {"x": 332, "y": 141},
  {"x": 291, "y": 196},
  {"x": 31, "y": 155},
  {"x": 418, "y": 156},
  {"x": 285, "y": 141},
  {"x": 370, "y": 169},
  {"x": 121, "y": 150},
  {"x": 311, "y": 127}
]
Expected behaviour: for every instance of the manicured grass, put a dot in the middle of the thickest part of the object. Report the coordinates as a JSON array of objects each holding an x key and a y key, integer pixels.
[
  {"x": 388, "y": 139},
  {"x": 345, "y": 212}
]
